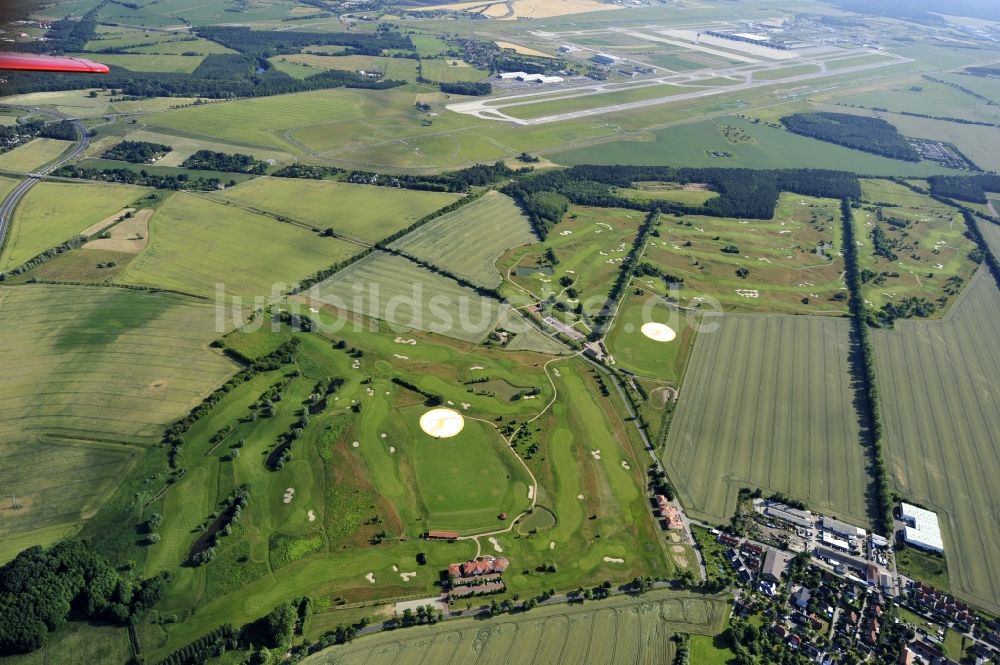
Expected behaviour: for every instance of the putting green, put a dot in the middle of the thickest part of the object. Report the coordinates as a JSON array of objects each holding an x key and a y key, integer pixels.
[
  {"x": 658, "y": 332},
  {"x": 442, "y": 423}
]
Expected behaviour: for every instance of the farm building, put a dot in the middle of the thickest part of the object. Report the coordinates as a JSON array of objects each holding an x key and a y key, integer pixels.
[{"x": 923, "y": 530}]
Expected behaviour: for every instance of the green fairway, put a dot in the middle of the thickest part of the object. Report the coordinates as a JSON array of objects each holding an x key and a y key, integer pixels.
[
  {"x": 79, "y": 642},
  {"x": 790, "y": 263},
  {"x": 53, "y": 212},
  {"x": 617, "y": 631},
  {"x": 927, "y": 239},
  {"x": 33, "y": 154},
  {"x": 644, "y": 356},
  {"x": 767, "y": 403},
  {"x": 940, "y": 429},
  {"x": 657, "y": 191},
  {"x": 692, "y": 145},
  {"x": 360, "y": 211},
  {"x": 469, "y": 241},
  {"x": 196, "y": 244},
  {"x": 402, "y": 293},
  {"x": 590, "y": 246}
]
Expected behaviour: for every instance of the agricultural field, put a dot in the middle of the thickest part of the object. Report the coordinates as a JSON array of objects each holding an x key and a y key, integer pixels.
[
  {"x": 150, "y": 62},
  {"x": 77, "y": 103},
  {"x": 77, "y": 405},
  {"x": 33, "y": 154},
  {"x": 450, "y": 70},
  {"x": 196, "y": 243},
  {"x": 469, "y": 241},
  {"x": 694, "y": 145},
  {"x": 53, "y": 212},
  {"x": 919, "y": 95},
  {"x": 617, "y": 631},
  {"x": 979, "y": 144},
  {"x": 767, "y": 402},
  {"x": 356, "y": 211},
  {"x": 183, "y": 147},
  {"x": 400, "y": 292},
  {"x": 307, "y": 64},
  {"x": 940, "y": 426},
  {"x": 589, "y": 245},
  {"x": 922, "y": 252},
  {"x": 791, "y": 263}
]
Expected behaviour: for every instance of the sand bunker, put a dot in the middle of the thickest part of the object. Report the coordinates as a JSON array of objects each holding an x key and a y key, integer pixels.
[
  {"x": 370, "y": 577},
  {"x": 658, "y": 332},
  {"x": 312, "y": 516},
  {"x": 626, "y": 466},
  {"x": 552, "y": 544},
  {"x": 407, "y": 576},
  {"x": 531, "y": 492},
  {"x": 392, "y": 449},
  {"x": 496, "y": 544},
  {"x": 395, "y": 569},
  {"x": 580, "y": 497},
  {"x": 442, "y": 423},
  {"x": 289, "y": 493},
  {"x": 611, "y": 559},
  {"x": 596, "y": 454}
]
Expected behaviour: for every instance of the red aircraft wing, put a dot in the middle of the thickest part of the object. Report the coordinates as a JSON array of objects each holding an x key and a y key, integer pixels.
[{"x": 27, "y": 62}]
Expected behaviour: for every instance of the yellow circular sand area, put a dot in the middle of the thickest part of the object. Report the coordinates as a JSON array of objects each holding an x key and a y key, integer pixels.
[
  {"x": 442, "y": 423},
  {"x": 658, "y": 332}
]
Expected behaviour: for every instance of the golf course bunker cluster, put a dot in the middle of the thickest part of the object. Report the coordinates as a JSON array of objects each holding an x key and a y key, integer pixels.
[{"x": 442, "y": 423}]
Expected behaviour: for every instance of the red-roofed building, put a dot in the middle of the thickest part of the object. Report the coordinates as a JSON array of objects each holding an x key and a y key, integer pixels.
[{"x": 487, "y": 565}]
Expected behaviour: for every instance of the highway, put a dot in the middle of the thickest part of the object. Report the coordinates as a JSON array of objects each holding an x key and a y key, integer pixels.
[{"x": 10, "y": 203}]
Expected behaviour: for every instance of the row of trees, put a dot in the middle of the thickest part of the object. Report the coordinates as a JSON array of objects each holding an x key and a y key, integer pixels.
[
  {"x": 882, "y": 499},
  {"x": 41, "y": 589},
  {"x": 860, "y": 132},
  {"x": 970, "y": 188},
  {"x": 128, "y": 176},
  {"x": 478, "y": 175}
]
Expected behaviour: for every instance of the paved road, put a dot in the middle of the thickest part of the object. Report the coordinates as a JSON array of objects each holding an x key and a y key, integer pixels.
[{"x": 10, "y": 203}]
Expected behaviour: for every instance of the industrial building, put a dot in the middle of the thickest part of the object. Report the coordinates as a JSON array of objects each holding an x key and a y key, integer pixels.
[
  {"x": 923, "y": 530},
  {"x": 800, "y": 518},
  {"x": 530, "y": 78},
  {"x": 604, "y": 59},
  {"x": 842, "y": 529}
]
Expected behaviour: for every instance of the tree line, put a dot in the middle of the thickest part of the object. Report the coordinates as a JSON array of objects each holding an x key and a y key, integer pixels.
[
  {"x": 859, "y": 132},
  {"x": 971, "y": 188},
  {"x": 142, "y": 177},
  {"x": 872, "y": 409},
  {"x": 267, "y": 43}
]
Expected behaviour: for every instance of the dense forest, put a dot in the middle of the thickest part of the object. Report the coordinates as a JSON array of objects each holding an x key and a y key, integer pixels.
[
  {"x": 743, "y": 193},
  {"x": 41, "y": 589},
  {"x": 209, "y": 160},
  {"x": 971, "y": 188},
  {"x": 465, "y": 88},
  {"x": 872, "y": 135},
  {"x": 137, "y": 152}
]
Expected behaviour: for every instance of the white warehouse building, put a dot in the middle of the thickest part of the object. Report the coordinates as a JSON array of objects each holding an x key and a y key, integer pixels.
[
  {"x": 923, "y": 530},
  {"x": 530, "y": 78}
]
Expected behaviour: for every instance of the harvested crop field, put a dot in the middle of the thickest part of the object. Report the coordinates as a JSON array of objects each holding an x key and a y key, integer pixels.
[
  {"x": 469, "y": 241},
  {"x": 616, "y": 631},
  {"x": 359, "y": 211},
  {"x": 939, "y": 382},
  {"x": 395, "y": 290},
  {"x": 767, "y": 402},
  {"x": 31, "y": 155},
  {"x": 196, "y": 243},
  {"x": 129, "y": 236}
]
